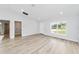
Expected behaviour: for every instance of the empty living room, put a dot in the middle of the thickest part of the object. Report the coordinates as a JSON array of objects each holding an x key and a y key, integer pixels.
[{"x": 39, "y": 28}]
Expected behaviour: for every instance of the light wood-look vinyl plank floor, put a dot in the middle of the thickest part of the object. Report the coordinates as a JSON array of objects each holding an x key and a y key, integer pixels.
[{"x": 38, "y": 44}]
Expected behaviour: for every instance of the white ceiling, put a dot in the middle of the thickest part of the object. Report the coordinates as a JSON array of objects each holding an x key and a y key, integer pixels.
[{"x": 44, "y": 11}]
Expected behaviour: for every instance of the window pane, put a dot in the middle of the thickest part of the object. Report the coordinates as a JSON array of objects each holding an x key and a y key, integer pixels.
[
  {"x": 59, "y": 28},
  {"x": 54, "y": 26}
]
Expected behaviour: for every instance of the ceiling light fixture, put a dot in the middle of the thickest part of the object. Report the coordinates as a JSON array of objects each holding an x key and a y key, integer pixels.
[{"x": 61, "y": 12}]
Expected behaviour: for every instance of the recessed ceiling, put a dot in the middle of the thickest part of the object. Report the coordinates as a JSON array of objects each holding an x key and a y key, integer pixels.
[{"x": 45, "y": 11}]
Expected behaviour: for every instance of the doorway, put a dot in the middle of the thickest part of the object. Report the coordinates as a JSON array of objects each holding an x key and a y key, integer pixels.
[
  {"x": 18, "y": 28},
  {"x": 5, "y": 29}
]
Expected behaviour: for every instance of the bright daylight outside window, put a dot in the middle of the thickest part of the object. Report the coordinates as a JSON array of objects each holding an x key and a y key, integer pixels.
[{"x": 59, "y": 28}]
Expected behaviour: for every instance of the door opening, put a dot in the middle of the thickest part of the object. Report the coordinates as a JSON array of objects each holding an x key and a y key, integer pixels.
[
  {"x": 18, "y": 28},
  {"x": 5, "y": 29}
]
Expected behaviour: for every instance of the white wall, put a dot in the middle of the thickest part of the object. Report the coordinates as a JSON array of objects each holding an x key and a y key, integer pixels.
[
  {"x": 29, "y": 27},
  {"x": 72, "y": 28}
]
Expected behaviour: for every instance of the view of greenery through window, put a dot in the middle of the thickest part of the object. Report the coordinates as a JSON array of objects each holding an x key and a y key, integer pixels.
[{"x": 59, "y": 28}]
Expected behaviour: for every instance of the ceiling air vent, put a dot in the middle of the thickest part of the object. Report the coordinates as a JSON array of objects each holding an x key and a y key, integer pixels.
[{"x": 25, "y": 13}]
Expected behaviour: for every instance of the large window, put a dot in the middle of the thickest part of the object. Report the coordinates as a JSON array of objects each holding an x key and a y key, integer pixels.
[{"x": 59, "y": 27}]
